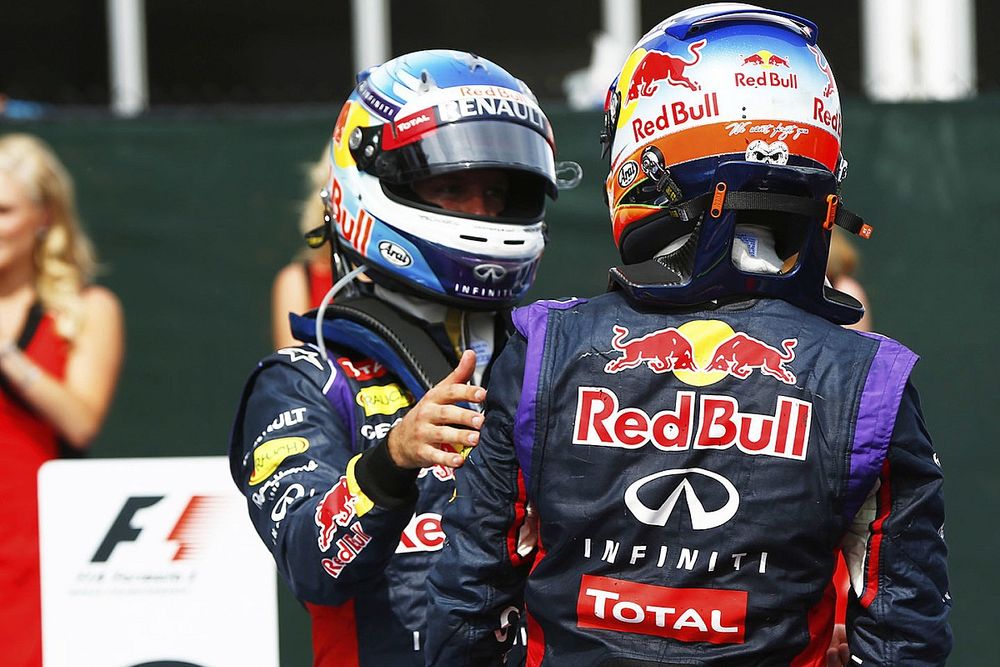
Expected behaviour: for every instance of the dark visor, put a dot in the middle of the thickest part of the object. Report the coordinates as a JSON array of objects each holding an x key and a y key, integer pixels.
[{"x": 470, "y": 145}]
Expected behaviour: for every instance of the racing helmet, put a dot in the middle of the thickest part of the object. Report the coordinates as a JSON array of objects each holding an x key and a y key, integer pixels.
[
  {"x": 422, "y": 115},
  {"x": 721, "y": 109}
]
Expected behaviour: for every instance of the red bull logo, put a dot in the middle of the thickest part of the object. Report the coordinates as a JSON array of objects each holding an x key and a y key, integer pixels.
[
  {"x": 707, "y": 422},
  {"x": 663, "y": 351},
  {"x": 702, "y": 352},
  {"x": 765, "y": 59},
  {"x": 335, "y": 509},
  {"x": 358, "y": 230},
  {"x": 349, "y": 546},
  {"x": 658, "y": 66},
  {"x": 824, "y": 67},
  {"x": 741, "y": 354}
]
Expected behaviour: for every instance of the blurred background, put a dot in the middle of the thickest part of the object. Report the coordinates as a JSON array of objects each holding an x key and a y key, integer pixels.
[{"x": 190, "y": 174}]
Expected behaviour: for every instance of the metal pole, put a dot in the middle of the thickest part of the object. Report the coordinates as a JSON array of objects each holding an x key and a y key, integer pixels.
[
  {"x": 369, "y": 32},
  {"x": 888, "y": 58},
  {"x": 621, "y": 19},
  {"x": 918, "y": 49},
  {"x": 946, "y": 54},
  {"x": 127, "y": 57}
]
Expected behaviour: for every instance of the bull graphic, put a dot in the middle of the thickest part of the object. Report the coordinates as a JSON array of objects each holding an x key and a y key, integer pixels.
[
  {"x": 656, "y": 66},
  {"x": 741, "y": 354},
  {"x": 663, "y": 351},
  {"x": 824, "y": 67},
  {"x": 335, "y": 509}
]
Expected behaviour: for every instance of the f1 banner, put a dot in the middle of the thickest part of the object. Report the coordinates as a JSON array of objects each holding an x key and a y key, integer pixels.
[{"x": 152, "y": 562}]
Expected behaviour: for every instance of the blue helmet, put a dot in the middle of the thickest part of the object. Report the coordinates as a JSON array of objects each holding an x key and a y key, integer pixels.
[
  {"x": 422, "y": 115},
  {"x": 722, "y": 113}
]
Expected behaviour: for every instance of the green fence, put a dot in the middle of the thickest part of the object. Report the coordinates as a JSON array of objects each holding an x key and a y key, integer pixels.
[{"x": 193, "y": 217}]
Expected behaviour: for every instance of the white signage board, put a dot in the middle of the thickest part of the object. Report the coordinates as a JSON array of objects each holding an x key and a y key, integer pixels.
[{"x": 152, "y": 561}]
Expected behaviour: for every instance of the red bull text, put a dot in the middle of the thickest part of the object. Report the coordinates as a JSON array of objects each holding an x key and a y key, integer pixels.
[{"x": 718, "y": 423}]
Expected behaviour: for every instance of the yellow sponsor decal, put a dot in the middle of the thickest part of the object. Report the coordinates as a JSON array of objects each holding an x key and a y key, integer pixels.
[
  {"x": 383, "y": 400},
  {"x": 269, "y": 455}
]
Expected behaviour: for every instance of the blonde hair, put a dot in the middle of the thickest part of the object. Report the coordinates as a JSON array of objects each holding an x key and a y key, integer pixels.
[
  {"x": 311, "y": 209},
  {"x": 64, "y": 258}
]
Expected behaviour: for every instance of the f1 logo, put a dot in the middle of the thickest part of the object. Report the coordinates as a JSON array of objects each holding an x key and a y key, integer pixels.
[
  {"x": 122, "y": 529},
  {"x": 188, "y": 533}
]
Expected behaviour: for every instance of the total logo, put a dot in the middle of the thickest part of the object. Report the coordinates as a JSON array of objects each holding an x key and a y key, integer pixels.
[
  {"x": 702, "y": 352},
  {"x": 684, "y": 614}
]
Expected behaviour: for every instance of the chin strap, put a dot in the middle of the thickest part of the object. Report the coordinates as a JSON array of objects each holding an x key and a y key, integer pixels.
[{"x": 830, "y": 211}]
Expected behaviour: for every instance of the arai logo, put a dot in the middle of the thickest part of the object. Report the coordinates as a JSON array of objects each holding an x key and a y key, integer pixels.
[
  {"x": 394, "y": 254},
  {"x": 627, "y": 173}
]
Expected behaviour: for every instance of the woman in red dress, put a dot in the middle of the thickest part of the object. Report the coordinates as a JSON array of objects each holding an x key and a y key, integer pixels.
[
  {"x": 301, "y": 285},
  {"x": 61, "y": 341}
]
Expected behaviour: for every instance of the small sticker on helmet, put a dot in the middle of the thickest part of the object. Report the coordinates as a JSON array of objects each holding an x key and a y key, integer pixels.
[
  {"x": 627, "y": 173},
  {"x": 394, "y": 254}
]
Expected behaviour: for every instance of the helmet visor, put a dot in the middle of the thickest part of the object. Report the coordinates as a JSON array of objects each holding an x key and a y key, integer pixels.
[{"x": 484, "y": 144}]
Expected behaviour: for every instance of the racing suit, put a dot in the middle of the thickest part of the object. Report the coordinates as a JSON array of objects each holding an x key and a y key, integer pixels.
[
  {"x": 353, "y": 535},
  {"x": 693, "y": 475}
]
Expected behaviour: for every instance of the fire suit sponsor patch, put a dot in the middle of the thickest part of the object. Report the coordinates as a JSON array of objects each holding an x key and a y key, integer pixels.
[
  {"x": 296, "y": 354},
  {"x": 335, "y": 509},
  {"x": 684, "y": 614},
  {"x": 361, "y": 370},
  {"x": 423, "y": 533},
  {"x": 268, "y": 456},
  {"x": 701, "y": 352},
  {"x": 382, "y": 400},
  {"x": 348, "y": 548},
  {"x": 717, "y": 423},
  {"x": 284, "y": 419}
]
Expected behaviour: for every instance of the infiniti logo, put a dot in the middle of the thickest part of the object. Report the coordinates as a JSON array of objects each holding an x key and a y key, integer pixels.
[
  {"x": 489, "y": 273},
  {"x": 701, "y": 519}
]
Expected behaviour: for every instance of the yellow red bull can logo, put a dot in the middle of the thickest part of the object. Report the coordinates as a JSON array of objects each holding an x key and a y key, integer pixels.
[{"x": 702, "y": 352}]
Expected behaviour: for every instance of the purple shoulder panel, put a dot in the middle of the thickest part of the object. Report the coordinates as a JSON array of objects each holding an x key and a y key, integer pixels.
[
  {"x": 338, "y": 392},
  {"x": 876, "y": 418},
  {"x": 532, "y": 322}
]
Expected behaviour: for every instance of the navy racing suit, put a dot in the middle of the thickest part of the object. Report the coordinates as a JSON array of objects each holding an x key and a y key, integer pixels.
[
  {"x": 693, "y": 476},
  {"x": 353, "y": 535}
]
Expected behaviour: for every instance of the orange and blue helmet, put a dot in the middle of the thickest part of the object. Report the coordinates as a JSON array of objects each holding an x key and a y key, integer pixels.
[{"x": 713, "y": 104}]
